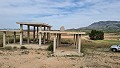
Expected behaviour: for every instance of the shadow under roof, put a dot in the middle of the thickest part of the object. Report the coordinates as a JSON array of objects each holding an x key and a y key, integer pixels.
[{"x": 34, "y": 24}]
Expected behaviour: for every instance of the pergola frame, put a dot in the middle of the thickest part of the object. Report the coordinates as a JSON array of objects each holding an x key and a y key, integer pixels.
[
  {"x": 34, "y": 24},
  {"x": 57, "y": 38},
  {"x": 43, "y": 30}
]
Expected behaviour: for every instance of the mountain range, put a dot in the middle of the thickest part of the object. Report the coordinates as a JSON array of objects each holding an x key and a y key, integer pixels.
[{"x": 106, "y": 26}]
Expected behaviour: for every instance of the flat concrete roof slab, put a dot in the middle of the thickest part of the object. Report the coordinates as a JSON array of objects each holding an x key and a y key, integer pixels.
[{"x": 34, "y": 24}]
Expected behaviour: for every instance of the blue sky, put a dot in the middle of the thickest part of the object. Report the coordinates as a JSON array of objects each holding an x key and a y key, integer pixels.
[{"x": 68, "y": 13}]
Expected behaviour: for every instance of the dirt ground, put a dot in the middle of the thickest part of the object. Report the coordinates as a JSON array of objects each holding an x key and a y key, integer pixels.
[{"x": 34, "y": 58}]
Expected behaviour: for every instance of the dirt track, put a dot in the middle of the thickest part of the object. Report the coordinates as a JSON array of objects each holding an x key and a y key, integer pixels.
[{"x": 41, "y": 59}]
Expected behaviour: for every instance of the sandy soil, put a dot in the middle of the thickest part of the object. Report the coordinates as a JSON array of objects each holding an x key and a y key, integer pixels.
[{"x": 98, "y": 58}]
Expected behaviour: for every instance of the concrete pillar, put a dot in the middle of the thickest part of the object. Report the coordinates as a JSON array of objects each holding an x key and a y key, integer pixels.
[
  {"x": 49, "y": 33},
  {"x": 14, "y": 37},
  {"x": 44, "y": 37},
  {"x": 33, "y": 32},
  {"x": 40, "y": 39},
  {"x": 79, "y": 43},
  {"x": 40, "y": 35},
  {"x": 28, "y": 34},
  {"x": 57, "y": 40},
  {"x": 21, "y": 34},
  {"x": 4, "y": 39},
  {"x": 54, "y": 44},
  {"x": 37, "y": 32},
  {"x": 76, "y": 41}
]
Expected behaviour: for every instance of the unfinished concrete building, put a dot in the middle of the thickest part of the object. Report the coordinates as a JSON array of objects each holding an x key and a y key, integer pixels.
[{"x": 42, "y": 33}]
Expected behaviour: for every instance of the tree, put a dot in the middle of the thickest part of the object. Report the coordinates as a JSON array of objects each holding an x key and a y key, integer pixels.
[{"x": 96, "y": 35}]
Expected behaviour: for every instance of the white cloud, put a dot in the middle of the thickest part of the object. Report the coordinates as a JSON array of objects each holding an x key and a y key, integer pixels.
[{"x": 71, "y": 13}]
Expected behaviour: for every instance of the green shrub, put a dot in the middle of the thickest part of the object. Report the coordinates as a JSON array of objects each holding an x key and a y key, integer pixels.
[
  {"x": 96, "y": 35},
  {"x": 66, "y": 41},
  {"x": 14, "y": 47},
  {"x": 11, "y": 40},
  {"x": 50, "y": 48},
  {"x": 8, "y": 48},
  {"x": 23, "y": 47}
]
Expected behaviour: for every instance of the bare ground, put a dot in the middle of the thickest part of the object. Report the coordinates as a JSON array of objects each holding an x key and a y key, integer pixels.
[{"x": 99, "y": 58}]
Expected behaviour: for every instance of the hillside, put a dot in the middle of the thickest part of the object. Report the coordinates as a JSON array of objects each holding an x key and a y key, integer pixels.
[{"x": 106, "y": 26}]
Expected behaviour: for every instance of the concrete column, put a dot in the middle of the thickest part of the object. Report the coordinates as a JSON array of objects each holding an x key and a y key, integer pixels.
[
  {"x": 21, "y": 34},
  {"x": 14, "y": 37},
  {"x": 33, "y": 32},
  {"x": 49, "y": 33},
  {"x": 40, "y": 34},
  {"x": 44, "y": 37},
  {"x": 54, "y": 44},
  {"x": 76, "y": 41},
  {"x": 79, "y": 43},
  {"x": 40, "y": 39},
  {"x": 4, "y": 39},
  {"x": 37, "y": 32},
  {"x": 57, "y": 40},
  {"x": 28, "y": 34}
]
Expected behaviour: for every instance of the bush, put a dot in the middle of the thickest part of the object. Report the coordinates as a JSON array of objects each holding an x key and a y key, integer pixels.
[
  {"x": 50, "y": 48},
  {"x": 8, "y": 48},
  {"x": 96, "y": 35},
  {"x": 14, "y": 47},
  {"x": 23, "y": 47},
  {"x": 66, "y": 41}
]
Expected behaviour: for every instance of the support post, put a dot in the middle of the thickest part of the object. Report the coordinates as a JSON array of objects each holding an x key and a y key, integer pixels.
[
  {"x": 40, "y": 28},
  {"x": 37, "y": 32},
  {"x": 33, "y": 32},
  {"x": 14, "y": 37},
  {"x": 76, "y": 41},
  {"x": 49, "y": 33},
  {"x": 44, "y": 37},
  {"x": 39, "y": 39},
  {"x": 21, "y": 34},
  {"x": 28, "y": 39},
  {"x": 54, "y": 43},
  {"x": 79, "y": 43},
  {"x": 4, "y": 39},
  {"x": 57, "y": 40}
]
